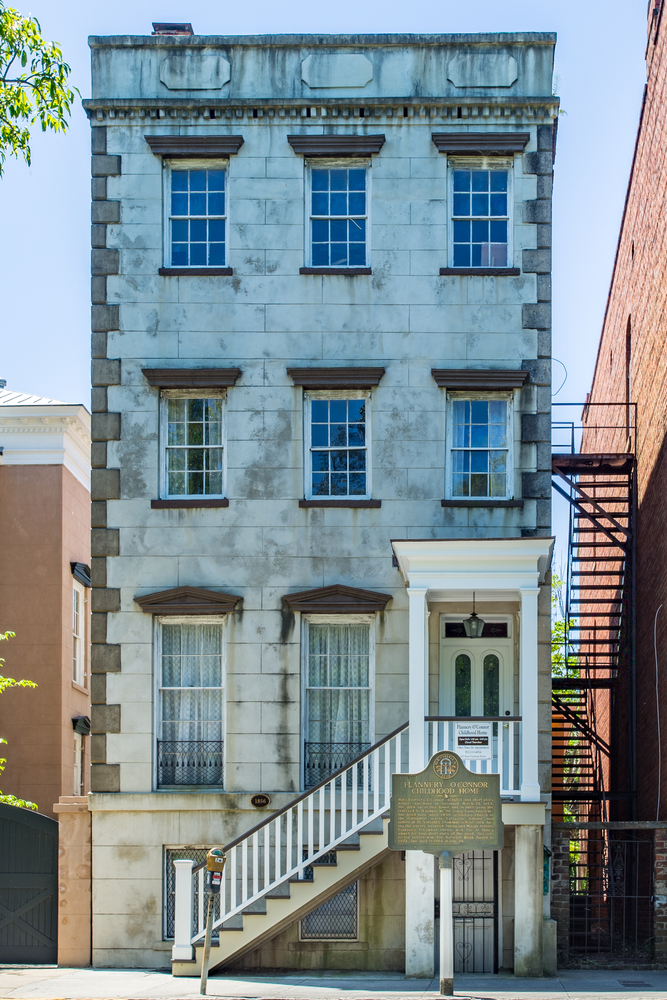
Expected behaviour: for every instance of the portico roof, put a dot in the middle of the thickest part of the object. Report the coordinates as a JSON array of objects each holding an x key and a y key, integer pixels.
[{"x": 452, "y": 568}]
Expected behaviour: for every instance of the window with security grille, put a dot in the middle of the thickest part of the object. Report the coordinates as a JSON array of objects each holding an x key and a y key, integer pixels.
[
  {"x": 338, "y": 217},
  {"x": 335, "y": 919},
  {"x": 338, "y": 697},
  {"x": 193, "y": 450},
  {"x": 480, "y": 218},
  {"x": 197, "y": 217},
  {"x": 480, "y": 448},
  {"x": 190, "y": 737},
  {"x": 198, "y": 855},
  {"x": 339, "y": 444}
]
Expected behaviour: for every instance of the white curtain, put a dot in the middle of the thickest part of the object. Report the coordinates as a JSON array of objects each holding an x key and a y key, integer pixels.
[
  {"x": 338, "y": 684},
  {"x": 191, "y": 682}
]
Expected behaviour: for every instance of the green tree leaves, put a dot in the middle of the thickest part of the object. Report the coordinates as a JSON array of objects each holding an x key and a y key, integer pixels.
[
  {"x": 5, "y": 684},
  {"x": 33, "y": 84}
]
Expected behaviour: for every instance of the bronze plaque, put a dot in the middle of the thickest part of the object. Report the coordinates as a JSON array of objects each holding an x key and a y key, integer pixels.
[{"x": 445, "y": 808}]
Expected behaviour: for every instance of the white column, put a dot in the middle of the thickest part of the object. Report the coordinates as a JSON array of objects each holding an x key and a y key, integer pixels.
[
  {"x": 183, "y": 900},
  {"x": 419, "y": 882},
  {"x": 446, "y": 927},
  {"x": 530, "y": 785},
  {"x": 418, "y": 678}
]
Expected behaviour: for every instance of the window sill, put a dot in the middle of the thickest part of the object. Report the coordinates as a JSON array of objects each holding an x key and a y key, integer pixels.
[
  {"x": 490, "y": 271},
  {"x": 196, "y": 271},
  {"x": 80, "y": 687},
  {"x": 190, "y": 502},
  {"x": 340, "y": 503},
  {"x": 349, "y": 271},
  {"x": 481, "y": 503}
]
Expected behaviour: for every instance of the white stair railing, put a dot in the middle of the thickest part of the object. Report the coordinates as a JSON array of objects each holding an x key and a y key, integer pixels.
[
  {"x": 504, "y": 752},
  {"x": 289, "y": 841}
]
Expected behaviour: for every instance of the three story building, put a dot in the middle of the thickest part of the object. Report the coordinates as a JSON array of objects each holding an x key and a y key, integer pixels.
[{"x": 321, "y": 366}]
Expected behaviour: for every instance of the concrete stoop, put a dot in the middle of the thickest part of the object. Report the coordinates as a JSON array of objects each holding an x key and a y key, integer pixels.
[{"x": 292, "y": 900}]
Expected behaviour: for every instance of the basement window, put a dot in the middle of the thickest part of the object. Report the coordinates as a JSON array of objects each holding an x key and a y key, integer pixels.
[{"x": 335, "y": 920}]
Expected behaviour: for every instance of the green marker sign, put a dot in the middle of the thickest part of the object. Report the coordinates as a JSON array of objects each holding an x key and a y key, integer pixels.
[{"x": 445, "y": 808}]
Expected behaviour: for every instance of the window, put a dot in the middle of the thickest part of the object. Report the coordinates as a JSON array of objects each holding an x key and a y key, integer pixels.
[
  {"x": 190, "y": 724},
  {"x": 197, "y": 216},
  {"x": 78, "y": 764},
  {"x": 338, "y": 216},
  {"x": 339, "y": 704},
  {"x": 479, "y": 448},
  {"x": 480, "y": 217},
  {"x": 338, "y": 445},
  {"x": 78, "y": 634},
  {"x": 193, "y": 451},
  {"x": 334, "y": 920}
]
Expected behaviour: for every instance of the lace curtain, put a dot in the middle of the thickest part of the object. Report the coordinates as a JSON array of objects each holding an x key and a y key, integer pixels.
[
  {"x": 191, "y": 682},
  {"x": 338, "y": 684}
]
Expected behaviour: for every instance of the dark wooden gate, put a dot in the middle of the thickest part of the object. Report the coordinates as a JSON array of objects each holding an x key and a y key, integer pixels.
[{"x": 28, "y": 887}]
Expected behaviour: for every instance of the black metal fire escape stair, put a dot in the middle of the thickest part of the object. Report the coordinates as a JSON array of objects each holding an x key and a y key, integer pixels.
[{"x": 598, "y": 621}]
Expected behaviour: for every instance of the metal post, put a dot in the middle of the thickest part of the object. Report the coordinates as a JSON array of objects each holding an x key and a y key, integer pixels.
[
  {"x": 446, "y": 927},
  {"x": 207, "y": 946}
]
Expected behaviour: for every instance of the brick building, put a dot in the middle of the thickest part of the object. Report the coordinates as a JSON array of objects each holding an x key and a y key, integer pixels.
[{"x": 631, "y": 368}]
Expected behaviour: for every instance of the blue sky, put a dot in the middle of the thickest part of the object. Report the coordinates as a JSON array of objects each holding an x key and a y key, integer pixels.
[{"x": 44, "y": 209}]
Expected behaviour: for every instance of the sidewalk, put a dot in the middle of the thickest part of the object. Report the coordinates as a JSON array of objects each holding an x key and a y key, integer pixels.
[{"x": 52, "y": 983}]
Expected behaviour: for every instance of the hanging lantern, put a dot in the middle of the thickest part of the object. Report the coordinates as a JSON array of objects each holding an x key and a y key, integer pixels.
[{"x": 474, "y": 625}]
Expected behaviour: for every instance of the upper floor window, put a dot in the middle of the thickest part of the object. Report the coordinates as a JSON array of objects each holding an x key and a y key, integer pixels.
[
  {"x": 480, "y": 217},
  {"x": 193, "y": 449},
  {"x": 197, "y": 216},
  {"x": 338, "y": 445},
  {"x": 78, "y": 634},
  {"x": 338, "y": 216},
  {"x": 479, "y": 447}
]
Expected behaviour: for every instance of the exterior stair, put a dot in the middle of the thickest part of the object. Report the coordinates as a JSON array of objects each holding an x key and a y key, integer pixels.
[
  {"x": 292, "y": 900},
  {"x": 292, "y": 862}
]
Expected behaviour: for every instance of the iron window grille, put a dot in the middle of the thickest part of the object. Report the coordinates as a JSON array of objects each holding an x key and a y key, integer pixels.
[
  {"x": 322, "y": 759},
  {"x": 334, "y": 920},
  {"x": 198, "y": 855},
  {"x": 190, "y": 762}
]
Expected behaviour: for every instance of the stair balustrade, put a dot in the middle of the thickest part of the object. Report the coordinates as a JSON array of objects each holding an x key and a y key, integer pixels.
[{"x": 282, "y": 846}]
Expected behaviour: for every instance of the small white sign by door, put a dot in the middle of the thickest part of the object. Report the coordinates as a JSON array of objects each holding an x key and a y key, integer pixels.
[{"x": 473, "y": 740}]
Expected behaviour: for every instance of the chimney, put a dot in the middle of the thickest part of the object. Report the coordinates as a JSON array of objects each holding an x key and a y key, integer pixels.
[
  {"x": 3, "y": 383},
  {"x": 169, "y": 28}
]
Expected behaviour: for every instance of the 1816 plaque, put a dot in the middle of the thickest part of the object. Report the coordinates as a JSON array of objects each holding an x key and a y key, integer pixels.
[{"x": 445, "y": 808}]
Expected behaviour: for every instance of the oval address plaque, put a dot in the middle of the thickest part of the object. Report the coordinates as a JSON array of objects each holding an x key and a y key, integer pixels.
[{"x": 260, "y": 800}]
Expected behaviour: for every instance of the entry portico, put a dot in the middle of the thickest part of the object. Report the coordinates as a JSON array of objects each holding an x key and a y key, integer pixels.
[{"x": 505, "y": 575}]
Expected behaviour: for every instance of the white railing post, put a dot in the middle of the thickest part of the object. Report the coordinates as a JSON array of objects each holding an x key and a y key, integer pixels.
[{"x": 183, "y": 908}]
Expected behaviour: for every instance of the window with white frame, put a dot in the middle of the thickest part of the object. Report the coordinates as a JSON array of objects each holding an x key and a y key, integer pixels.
[
  {"x": 196, "y": 214},
  {"x": 480, "y": 454},
  {"x": 338, "y": 707},
  {"x": 193, "y": 446},
  {"x": 480, "y": 217},
  {"x": 78, "y": 634},
  {"x": 338, "y": 445},
  {"x": 190, "y": 702},
  {"x": 338, "y": 215}
]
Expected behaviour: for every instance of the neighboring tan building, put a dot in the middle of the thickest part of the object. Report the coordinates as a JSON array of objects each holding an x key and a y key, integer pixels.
[
  {"x": 44, "y": 595},
  {"x": 321, "y": 422},
  {"x": 44, "y": 599}
]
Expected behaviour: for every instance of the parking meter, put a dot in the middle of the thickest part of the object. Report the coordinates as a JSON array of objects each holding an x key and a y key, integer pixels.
[{"x": 215, "y": 864}]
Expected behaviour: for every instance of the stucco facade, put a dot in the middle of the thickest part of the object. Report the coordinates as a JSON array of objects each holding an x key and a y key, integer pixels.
[{"x": 402, "y": 331}]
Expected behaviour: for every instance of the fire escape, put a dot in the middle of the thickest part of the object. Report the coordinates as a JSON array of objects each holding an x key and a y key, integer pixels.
[{"x": 593, "y": 719}]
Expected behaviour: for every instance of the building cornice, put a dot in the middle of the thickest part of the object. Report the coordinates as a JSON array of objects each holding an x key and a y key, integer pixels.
[
  {"x": 55, "y": 434},
  {"x": 460, "y": 112},
  {"x": 496, "y": 39}
]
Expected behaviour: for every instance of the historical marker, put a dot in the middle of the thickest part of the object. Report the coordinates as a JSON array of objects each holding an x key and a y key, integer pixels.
[{"x": 445, "y": 808}]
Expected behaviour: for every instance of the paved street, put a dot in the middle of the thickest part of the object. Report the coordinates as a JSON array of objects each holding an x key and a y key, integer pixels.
[{"x": 52, "y": 983}]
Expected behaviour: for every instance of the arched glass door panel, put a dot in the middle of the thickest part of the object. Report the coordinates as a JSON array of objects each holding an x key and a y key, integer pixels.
[
  {"x": 463, "y": 684},
  {"x": 491, "y": 682}
]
